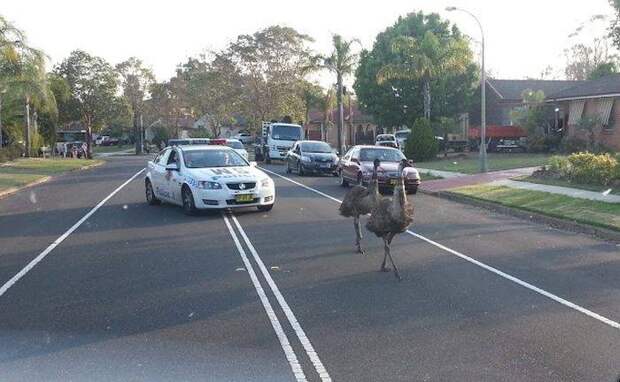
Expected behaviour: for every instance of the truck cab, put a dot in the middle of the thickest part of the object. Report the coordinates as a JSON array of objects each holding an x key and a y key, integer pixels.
[{"x": 277, "y": 139}]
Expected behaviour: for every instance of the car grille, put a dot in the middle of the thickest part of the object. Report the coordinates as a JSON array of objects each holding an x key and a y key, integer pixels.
[
  {"x": 237, "y": 186},
  {"x": 233, "y": 202}
]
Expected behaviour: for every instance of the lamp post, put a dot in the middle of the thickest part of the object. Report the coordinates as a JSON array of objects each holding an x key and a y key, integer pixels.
[{"x": 483, "y": 80}]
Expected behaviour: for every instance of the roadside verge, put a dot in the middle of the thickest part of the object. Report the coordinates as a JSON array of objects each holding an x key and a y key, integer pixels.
[{"x": 526, "y": 213}]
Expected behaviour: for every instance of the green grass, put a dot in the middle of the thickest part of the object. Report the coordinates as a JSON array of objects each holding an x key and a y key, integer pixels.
[
  {"x": 566, "y": 183},
  {"x": 591, "y": 212},
  {"x": 496, "y": 161},
  {"x": 23, "y": 171}
]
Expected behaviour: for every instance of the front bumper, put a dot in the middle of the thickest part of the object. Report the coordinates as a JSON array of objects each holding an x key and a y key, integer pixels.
[
  {"x": 225, "y": 198},
  {"x": 277, "y": 154},
  {"x": 321, "y": 167}
]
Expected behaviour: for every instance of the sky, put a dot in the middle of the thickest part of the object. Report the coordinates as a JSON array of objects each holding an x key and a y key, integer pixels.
[{"x": 522, "y": 37}]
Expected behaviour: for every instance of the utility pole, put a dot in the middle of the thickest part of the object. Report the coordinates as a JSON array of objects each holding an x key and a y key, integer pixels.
[{"x": 340, "y": 121}]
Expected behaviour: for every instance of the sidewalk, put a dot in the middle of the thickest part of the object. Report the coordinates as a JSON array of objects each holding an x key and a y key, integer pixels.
[{"x": 455, "y": 179}]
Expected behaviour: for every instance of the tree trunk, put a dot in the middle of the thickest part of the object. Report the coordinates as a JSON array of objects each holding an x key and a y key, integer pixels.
[
  {"x": 427, "y": 99},
  {"x": 1, "y": 136},
  {"x": 27, "y": 125},
  {"x": 340, "y": 121},
  {"x": 89, "y": 138},
  {"x": 137, "y": 133}
]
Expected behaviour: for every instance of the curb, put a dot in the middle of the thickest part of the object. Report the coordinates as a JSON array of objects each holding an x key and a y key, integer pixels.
[
  {"x": 564, "y": 224},
  {"x": 10, "y": 191}
]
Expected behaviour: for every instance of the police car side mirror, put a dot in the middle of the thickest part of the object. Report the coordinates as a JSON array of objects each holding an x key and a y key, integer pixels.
[
  {"x": 172, "y": 167},
  {"x": 253, "y": 164}
]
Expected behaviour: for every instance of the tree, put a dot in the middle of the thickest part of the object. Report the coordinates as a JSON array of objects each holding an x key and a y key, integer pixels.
[
  {"x": 603, "y": 69},
  {"x": 312, "y": 95},
  {"x": 22, "y": 75},
  {"x": 426, "y": 59},
  {"x": 341, "y": 62},
  {"x": 397, "y": 101},
  {"x": 272, "y": 62},
  {"x": 582, "y": 60},
  {"x": 94, "y": 84},
  {"x": 589, "y": 124},
  {"x": 421, "y": 144},
  {"x": 136, "y": 80}
]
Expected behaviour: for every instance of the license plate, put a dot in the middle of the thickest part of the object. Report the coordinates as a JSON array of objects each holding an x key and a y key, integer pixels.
[
  {"x": 324, "y": 165},
  {"x": 244, "y": 198}
]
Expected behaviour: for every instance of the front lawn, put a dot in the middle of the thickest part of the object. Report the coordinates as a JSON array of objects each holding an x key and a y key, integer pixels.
[
  {"x": 585, "y": 211},
  {"x": 496, "y": 162},
  {"x": 566, "y": 183},
  {"x": 23, "y": 171},
  {"x": 427, "y": 176}
]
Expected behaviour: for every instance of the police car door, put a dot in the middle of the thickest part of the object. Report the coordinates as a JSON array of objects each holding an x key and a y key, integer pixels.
[
  {"x": 158, "y": 175},
  {"x": 174, "y": 179}
]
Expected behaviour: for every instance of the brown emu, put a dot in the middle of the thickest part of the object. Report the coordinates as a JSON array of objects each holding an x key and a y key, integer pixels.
[
  {"x": 391, "y": 216},
  {"x": 360, "y": 201}
]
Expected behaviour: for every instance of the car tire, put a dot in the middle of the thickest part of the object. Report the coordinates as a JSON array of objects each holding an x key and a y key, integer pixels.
[
  {"x": 343, "y": 181},
  {"x": 300, "y": 169},
  {"x": 360, "y": 179},
  {"x": 189, "y": 207},
  {"x": 151, "y": 199},
  {"x": 266, "y": 208},
  {"x": 288, "y": 167}
]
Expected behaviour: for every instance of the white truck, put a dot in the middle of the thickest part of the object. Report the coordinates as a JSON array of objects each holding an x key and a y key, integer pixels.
[{"x": 276, "y": 139}]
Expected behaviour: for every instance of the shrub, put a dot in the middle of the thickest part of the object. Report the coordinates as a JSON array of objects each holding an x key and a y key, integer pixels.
[
  {"x": 591, "y": 168},
  {"x": 421, "y": 143},
  {"x": 10, "y": 153},
  {"x": 572, "y": 144},
  {"x": 559, "y": 165}
]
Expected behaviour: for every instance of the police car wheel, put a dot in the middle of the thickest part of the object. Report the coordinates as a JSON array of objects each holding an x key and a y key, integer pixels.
[
  {"x": 150, "y": 195},
  {"x": 265, "y": 208},
  {"x": 188, "y": 201},
  {"x": 288, "y": 167}
]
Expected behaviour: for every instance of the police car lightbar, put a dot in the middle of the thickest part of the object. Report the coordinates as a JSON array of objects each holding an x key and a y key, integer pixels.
[{"x": 217, "y": 141}]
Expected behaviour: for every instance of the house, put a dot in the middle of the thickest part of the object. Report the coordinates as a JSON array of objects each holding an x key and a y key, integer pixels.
[
  {"x": 503, "y": 97},
  {"x": 359, "y": 128},
  {"x": 597, "y": 99}
]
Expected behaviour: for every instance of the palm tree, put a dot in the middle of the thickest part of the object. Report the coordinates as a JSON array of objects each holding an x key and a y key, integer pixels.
[
  {"x": 342, "y": 61},
  {"x": 327, "y": 105},
  {"x": 22, "y": 73},
  {"x": 426, "y": 59}
]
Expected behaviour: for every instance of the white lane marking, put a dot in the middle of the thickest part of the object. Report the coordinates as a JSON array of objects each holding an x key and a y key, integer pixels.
[
  {"x": 558, "y": 299},
  {"x": 275, "y": 322},
  {"x": 305, "y": 342},
  {"x": 56, "y": 242}
]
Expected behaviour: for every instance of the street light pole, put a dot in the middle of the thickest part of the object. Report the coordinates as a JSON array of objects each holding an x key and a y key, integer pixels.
[{"x": 483, "y": 80}]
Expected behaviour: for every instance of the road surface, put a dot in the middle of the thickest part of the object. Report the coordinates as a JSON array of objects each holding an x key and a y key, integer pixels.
[{"x": 134, "y": 292}]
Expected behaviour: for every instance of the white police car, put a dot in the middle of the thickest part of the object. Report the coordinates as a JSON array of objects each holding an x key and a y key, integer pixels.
[{"x": 207, "y": 177}]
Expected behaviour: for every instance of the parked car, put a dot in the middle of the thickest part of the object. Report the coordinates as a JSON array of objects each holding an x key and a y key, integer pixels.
[
  {"x": 245, "y": 138},
  {"x": 207, "y": 177},
  {"x": 234, "y": 144},
  {"x": 311, "y": 157},
  {"x": 401, "y": 137},
  {"x": 100, "y": 139},
  {"x": 356, "y": 167},
  {"x": 385, "y": 138}
]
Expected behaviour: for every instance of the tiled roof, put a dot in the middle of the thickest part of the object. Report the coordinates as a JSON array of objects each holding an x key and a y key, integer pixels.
[
  {"x": 602, "y": 86},
  {"x": 513, "y": 89}
]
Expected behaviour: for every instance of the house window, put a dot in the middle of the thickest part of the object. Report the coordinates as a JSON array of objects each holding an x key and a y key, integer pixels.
[{"x": 611, "y": 120}]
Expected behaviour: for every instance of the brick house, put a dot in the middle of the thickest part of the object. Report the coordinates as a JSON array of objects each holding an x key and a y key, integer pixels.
[{"x": 599, "y": 99}]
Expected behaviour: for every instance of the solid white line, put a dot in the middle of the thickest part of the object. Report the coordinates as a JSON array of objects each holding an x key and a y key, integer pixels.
[
  {"x": 275, "y": 322},
  {"x": 56, "y": 242},
  {"x": 305, "y": 342},
  {"x": 587, "y": 312}
]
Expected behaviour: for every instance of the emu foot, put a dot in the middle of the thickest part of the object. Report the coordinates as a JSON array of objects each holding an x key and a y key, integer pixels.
[
  {"x": 361, "y": 251},
  {"x": 385, "y": 269}
]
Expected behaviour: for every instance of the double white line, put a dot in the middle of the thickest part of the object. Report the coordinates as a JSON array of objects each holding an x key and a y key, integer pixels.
[{"x": 273, "y": 318}]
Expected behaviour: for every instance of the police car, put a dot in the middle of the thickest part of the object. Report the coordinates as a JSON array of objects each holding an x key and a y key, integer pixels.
[{"x": 207, "y": 177}]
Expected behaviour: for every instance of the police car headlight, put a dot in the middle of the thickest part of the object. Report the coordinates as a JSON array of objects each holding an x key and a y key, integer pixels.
[
  {"x": 209, "y": 185},
  {"x": 265, "y": 182}
]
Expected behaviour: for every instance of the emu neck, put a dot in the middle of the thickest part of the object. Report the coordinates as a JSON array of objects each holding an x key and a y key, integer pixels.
[{"x": 400, "y": 196}]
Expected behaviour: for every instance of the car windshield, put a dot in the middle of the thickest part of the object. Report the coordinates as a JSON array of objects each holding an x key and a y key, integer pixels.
[
  {"x": 315, "y": 147},
  {"x": 385, "y": 155},
  {"x": 212, "y": 158},
  {"x": 284, "y": 132},
  {"x": 402, "y": 134},
  {"x": 385, "y": 138},
  {"x": 234, "y": 145}
]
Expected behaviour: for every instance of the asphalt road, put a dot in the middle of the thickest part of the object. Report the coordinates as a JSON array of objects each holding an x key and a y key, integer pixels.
[{"x": 145, "y": 293}]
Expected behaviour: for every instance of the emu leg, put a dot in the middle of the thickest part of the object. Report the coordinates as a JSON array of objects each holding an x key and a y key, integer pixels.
[
  {"x": 358, "y": 234},
  {"x": 385, "y": 254},
  {"x": 387, "y": 248}
]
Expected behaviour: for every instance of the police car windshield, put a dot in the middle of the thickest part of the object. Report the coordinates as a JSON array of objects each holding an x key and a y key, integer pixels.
[{"x": 212, "y": 158}]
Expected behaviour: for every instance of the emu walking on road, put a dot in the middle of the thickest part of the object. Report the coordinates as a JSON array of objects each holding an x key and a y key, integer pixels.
[
  {"x": 392, "y": 216},
  {"x": 360, "y": 201}
]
